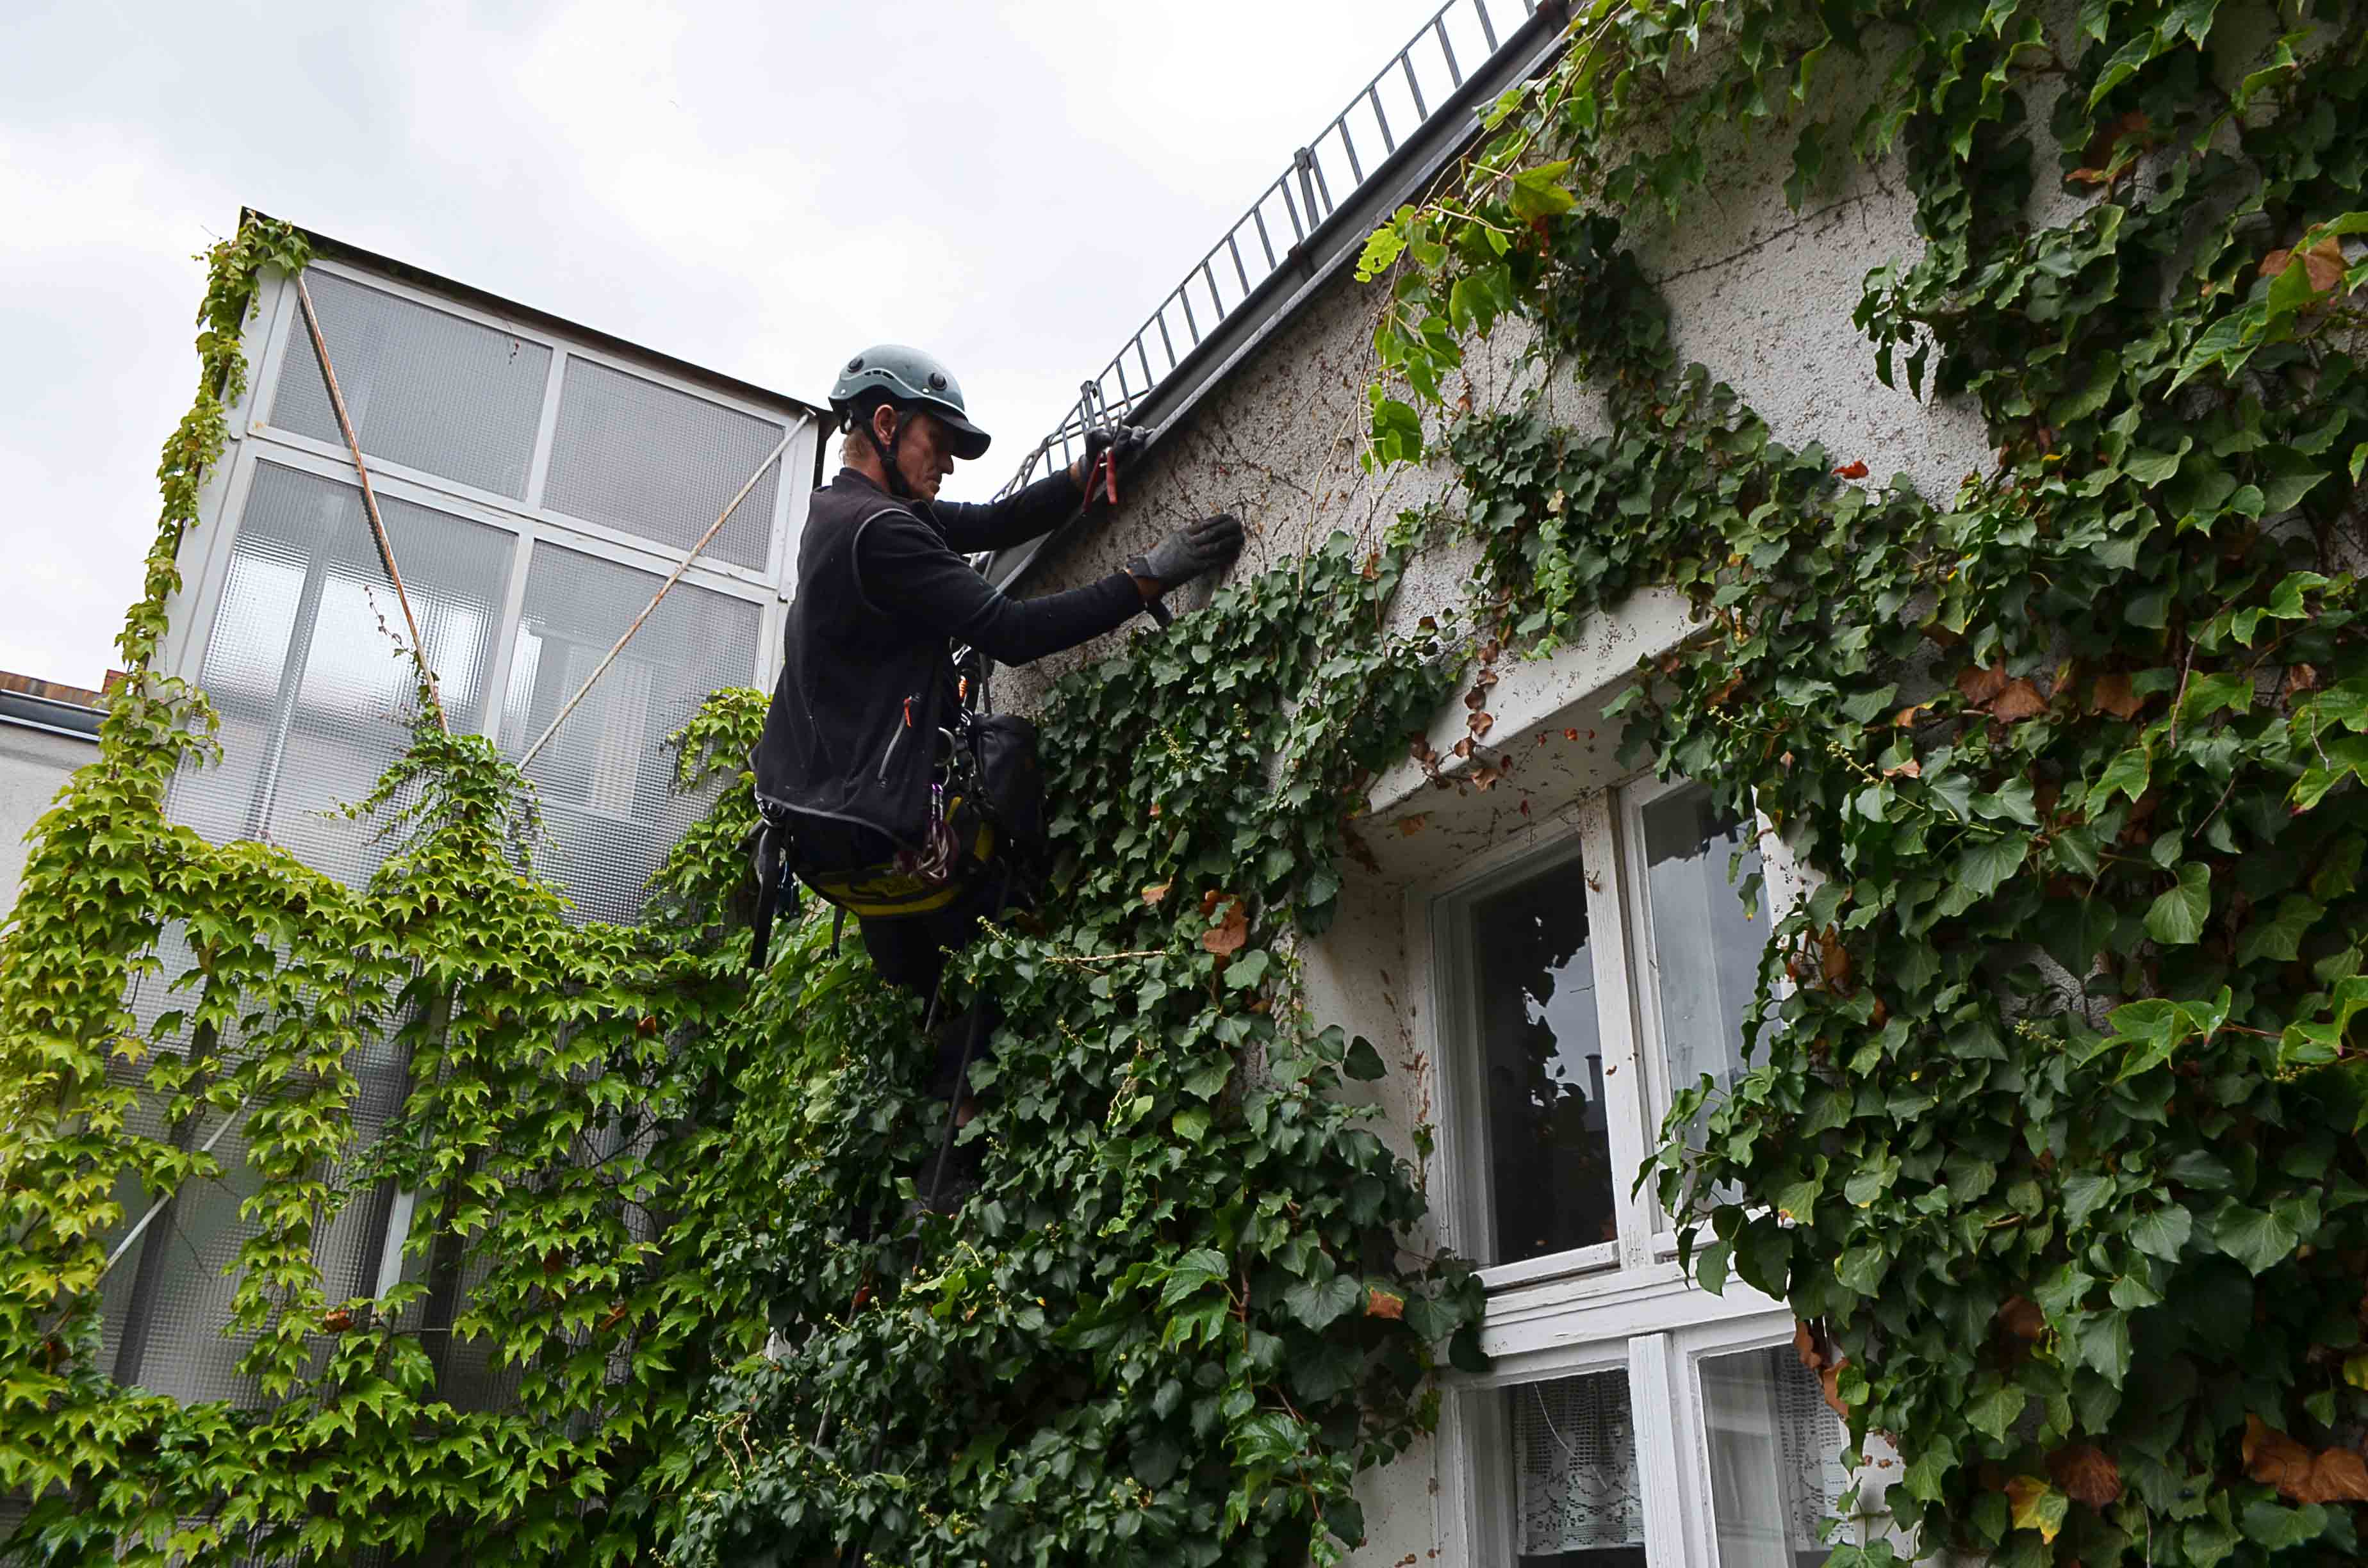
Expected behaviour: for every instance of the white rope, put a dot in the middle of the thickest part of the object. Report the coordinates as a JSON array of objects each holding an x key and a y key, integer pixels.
[
  {"x": 602, "y": 667},
  {"x": 158, "y": 1207}
]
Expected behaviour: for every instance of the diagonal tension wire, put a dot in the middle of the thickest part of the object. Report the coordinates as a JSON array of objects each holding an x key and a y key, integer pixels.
[
  {"x": 369, "y": 503},
  {"x": 664, "y": 588},
  {"x": 158, "y": 1207}
]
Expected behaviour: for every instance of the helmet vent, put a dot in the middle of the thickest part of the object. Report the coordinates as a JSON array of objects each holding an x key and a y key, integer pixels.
[{"x": 937, "y": 381}]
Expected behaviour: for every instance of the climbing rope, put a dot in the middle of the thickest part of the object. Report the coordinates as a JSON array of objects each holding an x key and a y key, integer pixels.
[{"x": 664, "y": 588}]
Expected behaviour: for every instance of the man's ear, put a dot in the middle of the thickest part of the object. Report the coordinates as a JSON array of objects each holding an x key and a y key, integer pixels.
[{"x": 883, "y": 424}]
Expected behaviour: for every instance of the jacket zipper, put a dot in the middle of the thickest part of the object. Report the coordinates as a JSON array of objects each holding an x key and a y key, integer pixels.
[{"x": 897, "y": 740}]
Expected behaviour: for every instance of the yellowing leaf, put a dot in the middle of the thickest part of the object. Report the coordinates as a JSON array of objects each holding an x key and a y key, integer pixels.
[{"x": 2037, "y": 1506}]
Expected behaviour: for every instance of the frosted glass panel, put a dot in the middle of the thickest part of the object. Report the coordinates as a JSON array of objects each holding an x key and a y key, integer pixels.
[
  {"x": 425, "y": 388},
  {"x": 314, "y": 703},
  {"x": 661, "y": 462},
  {"x": 606, "y": 778}
]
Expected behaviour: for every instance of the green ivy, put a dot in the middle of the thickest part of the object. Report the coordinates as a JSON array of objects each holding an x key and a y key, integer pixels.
[
  {"x": 2054, "y": 1139},
  {"x": 670, "y": 1206}
]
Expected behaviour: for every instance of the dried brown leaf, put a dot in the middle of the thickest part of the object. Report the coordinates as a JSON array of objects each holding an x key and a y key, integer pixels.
[
  {"x": 2019, "y": 701},
  {"x": 2021, "y": 1317},
  {"x": 1381, "y": 1303},
  {"x": 2085, "y": 1474},
  {"x": 1230, "y": 931},
  {"x": 1981, "y": 686},
  {"x": 1155, "y": 892},
  {"x": 2111, "y": 694},
  {"x": 1409, "y": 826},
  {"x": 1481, "y": 723}
]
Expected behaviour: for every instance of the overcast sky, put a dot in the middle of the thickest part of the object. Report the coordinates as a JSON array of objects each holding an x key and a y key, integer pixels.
[{"x": 761, "y": 188}]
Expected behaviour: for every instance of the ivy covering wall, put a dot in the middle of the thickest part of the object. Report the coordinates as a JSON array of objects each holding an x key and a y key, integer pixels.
[
  {"x": 672, "y": 1206},
  {"x": 2053, "y": 1141}
]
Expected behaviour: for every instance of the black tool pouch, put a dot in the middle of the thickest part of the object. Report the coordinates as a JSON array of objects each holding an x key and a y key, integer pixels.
[
  {"x": 1012, "y": 781},
  {"x": 772, "y": 855}
]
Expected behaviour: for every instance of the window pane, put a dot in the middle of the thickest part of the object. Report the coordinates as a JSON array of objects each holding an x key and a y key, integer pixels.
[
  {"x": 1549, "y": 1150},
  {"x": 314, "y": 707},
  {"x": 606, "y": 781},
  {"x": 1576, "y": 1497},
  {"x": 1705, "y": 949},
  {"x": 1776, "y": 1471},
  {"x": 661, "y": 462},
  {"x": 424, "y": 387}
]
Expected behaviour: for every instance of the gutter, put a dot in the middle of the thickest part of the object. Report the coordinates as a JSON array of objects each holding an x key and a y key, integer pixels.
[{"x": 71, "y": 719}]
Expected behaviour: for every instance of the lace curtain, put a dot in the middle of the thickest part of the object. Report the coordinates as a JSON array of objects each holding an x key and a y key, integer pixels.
[{"x": 1575, "y": 1446}]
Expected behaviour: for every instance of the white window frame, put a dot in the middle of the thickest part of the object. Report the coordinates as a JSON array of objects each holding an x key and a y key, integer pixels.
[
  {"x": 1778, "y": 889},
  {"x": 1622, "y": 1304},
  {"x": 277, "y": 323}
]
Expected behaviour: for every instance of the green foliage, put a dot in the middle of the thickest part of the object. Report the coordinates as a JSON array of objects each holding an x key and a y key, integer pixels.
[
  {"x": 2056, "y": 1124},
  {"x": 1172, "y": 1327},
  {"x": 1174, "y": 1320}
]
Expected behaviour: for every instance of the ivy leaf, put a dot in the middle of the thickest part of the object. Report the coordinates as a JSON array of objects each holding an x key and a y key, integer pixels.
[
  {"x": 2277, "y": 1528},
  {"x": 1320, "y": 1303},
  {"x": 1362, "y": 1061},
  {"x": 2163, "y": 1233},
  {"x": 2255, "y": 1238},
  {"x": 2037, "y": 1506},
  {"x": 1192, "y": 1123},
  {"x": 2176, "y": 917},
  {"x": 1997, "y": 1412},
  {"x": 1539, "y": 192}
]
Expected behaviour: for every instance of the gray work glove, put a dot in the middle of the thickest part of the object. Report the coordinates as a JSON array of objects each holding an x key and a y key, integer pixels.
[
  {"x": 1127, "y": 439},
  {"x": 1206, "y": 546}
]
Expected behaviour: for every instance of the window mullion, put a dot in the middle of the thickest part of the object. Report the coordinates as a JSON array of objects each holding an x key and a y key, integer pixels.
[
  {"x": 1623, "y": 1080},
  {"x": 1653, "y": 1393}
]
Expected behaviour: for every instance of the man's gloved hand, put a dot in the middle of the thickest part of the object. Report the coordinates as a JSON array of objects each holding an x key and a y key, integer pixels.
[
  {"x": 1126, "y": 441},
  {"x": 1195, "y": 549}
]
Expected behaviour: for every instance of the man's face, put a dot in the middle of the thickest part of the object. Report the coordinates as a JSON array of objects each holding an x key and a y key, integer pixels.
[{"x": 926, "y": 454}]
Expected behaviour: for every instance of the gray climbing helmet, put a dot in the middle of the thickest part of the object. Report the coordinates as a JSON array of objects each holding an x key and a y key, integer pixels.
[{"x": 909, "y": 378}]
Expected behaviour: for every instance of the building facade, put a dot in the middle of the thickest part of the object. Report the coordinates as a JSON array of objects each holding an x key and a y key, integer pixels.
[
  {"x": 1547, "y": 941},
  {"x": 539, "y": 482}
]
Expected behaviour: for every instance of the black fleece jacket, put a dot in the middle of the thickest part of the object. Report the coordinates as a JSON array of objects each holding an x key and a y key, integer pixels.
[{"x": 866, "y": 680}]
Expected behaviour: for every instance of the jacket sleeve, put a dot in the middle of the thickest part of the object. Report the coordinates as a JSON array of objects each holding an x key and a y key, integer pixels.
[
  {"x": 906, "y": 572},
  {"x": 1020, "y": 517}
]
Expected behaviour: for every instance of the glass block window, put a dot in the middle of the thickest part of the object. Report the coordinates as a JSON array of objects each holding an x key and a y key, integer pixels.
[
  {"x": 661, "y": 462},
  {"x": 1550, "y": 1183},
  {"x": 425, "y": 388},
  {"x": 1699, "y": 956},
  {"x": 1776, "y": 1470},
  {"x": 606, "y": 779},
  {"x": 314, "y": 703},
  {"x": 1577, "y": 1497}
]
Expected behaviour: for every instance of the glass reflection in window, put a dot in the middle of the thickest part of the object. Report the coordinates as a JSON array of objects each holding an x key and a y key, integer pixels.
[
  {"x": 1549, "y": 1151},
  {"x": 1776, "y": 1471},
  {"x": 1703, "y": 945}
]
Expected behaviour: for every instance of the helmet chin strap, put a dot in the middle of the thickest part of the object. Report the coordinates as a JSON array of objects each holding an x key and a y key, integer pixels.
[{"x": 887, "y": 455}]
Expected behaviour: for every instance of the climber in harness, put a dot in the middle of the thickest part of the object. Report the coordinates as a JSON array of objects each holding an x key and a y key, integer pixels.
[{"x": 882, "y": 785}]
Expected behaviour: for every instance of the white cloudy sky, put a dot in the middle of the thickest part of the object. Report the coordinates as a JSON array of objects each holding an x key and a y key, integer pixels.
[{"x": 756, "y": 187}]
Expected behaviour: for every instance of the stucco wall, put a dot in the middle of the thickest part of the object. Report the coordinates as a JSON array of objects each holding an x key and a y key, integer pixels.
[
  {"x": 33, "y": 767},
  {"x": 1759, "y": 295}
]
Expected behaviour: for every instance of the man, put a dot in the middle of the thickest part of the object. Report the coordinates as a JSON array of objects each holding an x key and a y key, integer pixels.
[{"x": 852, "y": 751}]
